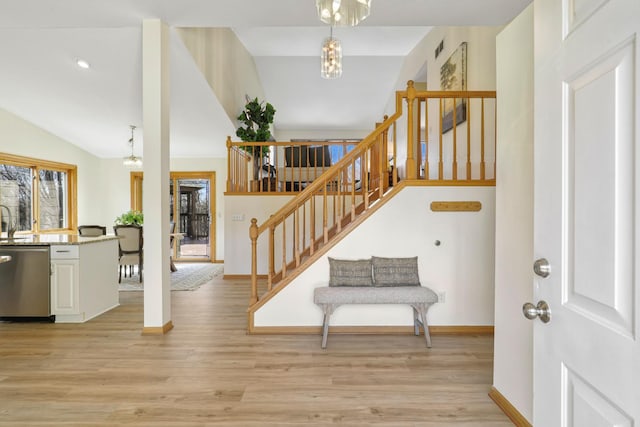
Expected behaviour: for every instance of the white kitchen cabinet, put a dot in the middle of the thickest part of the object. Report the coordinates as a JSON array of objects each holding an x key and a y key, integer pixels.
[
  {"x": 65, "y": 286},
  {"x": 84, "y": 279}
]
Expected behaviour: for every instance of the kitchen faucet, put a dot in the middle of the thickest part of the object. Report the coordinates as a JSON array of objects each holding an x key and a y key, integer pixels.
[{"x": 11, "y": 229}]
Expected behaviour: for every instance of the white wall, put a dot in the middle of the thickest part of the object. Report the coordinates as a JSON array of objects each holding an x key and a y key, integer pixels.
[
  {"x": 513, "y": 352},
  {"x": 22, "y": 138},
  {"x": 237, "y": 255},
  {"x": 462, "y": 266}
]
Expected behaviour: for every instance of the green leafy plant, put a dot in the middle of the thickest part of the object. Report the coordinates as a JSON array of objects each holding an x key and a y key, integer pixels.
[
  {"x": 130, "y": 218},
  {"x": 256, "y": 119}
]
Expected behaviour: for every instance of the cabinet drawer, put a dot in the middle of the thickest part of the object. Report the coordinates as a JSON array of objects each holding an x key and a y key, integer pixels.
[{"x": 64, "y": 252}]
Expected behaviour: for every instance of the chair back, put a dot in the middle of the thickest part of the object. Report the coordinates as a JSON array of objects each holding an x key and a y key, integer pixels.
[
  {"x": 92, "y": 230},
  {"x": 130, "y": 241}
]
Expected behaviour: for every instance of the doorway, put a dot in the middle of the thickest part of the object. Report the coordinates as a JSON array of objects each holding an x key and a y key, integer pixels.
[{"x": 192, "y": 203}]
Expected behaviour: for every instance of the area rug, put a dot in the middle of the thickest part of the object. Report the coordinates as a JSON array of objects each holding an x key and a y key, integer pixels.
[{"x": 189, "y": 277}]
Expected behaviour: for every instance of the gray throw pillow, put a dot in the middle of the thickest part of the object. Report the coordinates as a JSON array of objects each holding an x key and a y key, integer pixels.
[
  {"x": 344, "y": 272},
  {"x": 395, "y": 271}
]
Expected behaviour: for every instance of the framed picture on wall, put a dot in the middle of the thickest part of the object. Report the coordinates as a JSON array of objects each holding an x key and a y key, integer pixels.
[{"x": 453, "y": 77}]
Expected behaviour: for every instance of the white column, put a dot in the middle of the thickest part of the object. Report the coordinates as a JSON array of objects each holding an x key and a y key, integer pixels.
[{"x": 155, "y": 187}]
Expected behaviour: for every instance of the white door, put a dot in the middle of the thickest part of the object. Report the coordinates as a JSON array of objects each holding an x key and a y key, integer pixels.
[{"x": 587, "y": 211}]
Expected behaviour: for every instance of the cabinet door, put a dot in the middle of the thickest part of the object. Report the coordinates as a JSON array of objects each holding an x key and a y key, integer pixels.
[{"x": 65, "y": 298}]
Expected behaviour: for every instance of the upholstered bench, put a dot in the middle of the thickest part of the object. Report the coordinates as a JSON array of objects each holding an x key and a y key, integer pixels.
[{"x": 375, "y": 281}]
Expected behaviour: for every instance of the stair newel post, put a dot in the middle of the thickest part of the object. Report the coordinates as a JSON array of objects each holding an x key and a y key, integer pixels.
[
  {"x": 253, "y": 235},
  {"x": 411, "y": 160}
]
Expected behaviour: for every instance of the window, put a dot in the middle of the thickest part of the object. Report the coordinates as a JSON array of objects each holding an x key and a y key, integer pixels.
[{"x": 38, "y": 194}]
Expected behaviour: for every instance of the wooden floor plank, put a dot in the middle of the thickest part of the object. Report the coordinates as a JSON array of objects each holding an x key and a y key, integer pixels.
[{"x": 208, "y": 372}]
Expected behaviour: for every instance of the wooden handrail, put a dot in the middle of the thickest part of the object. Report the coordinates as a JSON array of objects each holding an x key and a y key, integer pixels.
[{"x": 295, "y": 224}]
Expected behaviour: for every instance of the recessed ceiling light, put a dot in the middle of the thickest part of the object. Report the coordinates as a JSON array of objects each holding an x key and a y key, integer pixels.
[{"x": 82, "y": 63}]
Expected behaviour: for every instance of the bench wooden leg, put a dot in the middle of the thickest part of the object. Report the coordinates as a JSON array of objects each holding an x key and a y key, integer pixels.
[
  {"x": 325, "y": 329},
  {"x": 416, "y": 322},
  {"x": 425, "y": 326}
]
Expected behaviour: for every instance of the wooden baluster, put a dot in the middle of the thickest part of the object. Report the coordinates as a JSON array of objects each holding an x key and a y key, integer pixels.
[
  {"x": 454, "y": 166},
  {"x": 229, "y": 170},
  {"x": 253, "y": 235},
  {"x": 337, "y": 199},
  {"x": 304, "y": 225},
  {"x": 411, "y": 161},
  {"x": 395, "y": 155},
  {"x": 385, "y": 153},
  {"x": 468, "y": 139},
  {"x": 365, "y": 165},
  {"x": 312, "y": 223},
  {"x": 379, "y": 166},
  {"x": 296, "y": 235},
  {"x": 284, "y": 247},
  {"x": 272, "y": 250},
  {"x": 482, "y": 160},
  {"x": 325, "y": 228},
  {"x": 418, "y": 137},
  {"x": 353, "y": 189},
  {"x": 426, "y": 138},
  {"x": 440, "y": 165}
]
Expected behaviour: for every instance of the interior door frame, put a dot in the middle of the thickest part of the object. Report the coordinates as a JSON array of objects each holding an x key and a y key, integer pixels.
[{"x": 136, "y": 204}]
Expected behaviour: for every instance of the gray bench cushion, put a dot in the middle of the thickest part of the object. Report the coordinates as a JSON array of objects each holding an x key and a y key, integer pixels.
[{"x": 374, "y": 295}]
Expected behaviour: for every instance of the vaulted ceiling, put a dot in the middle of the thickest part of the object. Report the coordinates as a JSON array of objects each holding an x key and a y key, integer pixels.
[{"x": 40, "y": 41}]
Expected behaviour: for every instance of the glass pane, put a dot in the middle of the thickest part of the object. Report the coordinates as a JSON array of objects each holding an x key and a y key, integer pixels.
[
  {"x": 15, "y": 196},
  {"x": 53, "y": 199},
  {"x": 194, "y": 218}
]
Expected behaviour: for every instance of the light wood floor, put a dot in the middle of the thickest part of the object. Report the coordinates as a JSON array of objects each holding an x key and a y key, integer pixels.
[{"x": 208, "y": 371}]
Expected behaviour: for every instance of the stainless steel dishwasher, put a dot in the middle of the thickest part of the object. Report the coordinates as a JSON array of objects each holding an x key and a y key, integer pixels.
[{"x": 25, "y": 283}]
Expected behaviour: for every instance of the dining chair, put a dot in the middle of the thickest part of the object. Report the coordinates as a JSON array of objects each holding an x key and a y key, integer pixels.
[
  {"x": 92, "y": 230},
  {"x": 130, "y": 249}
]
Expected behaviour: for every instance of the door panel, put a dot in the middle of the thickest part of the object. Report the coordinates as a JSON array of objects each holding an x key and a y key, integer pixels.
[{"x": 587, "y": 358}]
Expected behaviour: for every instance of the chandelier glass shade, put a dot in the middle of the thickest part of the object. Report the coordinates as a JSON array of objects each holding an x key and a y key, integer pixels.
[
  {"x": 343, "y": 12},
  {"x": 331, "y": 58},
  {"x": 132, "y": 161}
]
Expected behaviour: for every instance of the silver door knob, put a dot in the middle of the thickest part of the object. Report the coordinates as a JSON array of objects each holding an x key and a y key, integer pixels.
[
  {"x": 540, "y": 311},
  {"x": 541, "y": 267}
]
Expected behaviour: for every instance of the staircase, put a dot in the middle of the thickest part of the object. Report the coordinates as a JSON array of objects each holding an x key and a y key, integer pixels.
[{"x": 351, "y": 190}]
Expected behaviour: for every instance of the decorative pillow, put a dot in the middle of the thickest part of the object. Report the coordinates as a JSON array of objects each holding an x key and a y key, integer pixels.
[
  {"x": 343, "y": 272},
  {"x": 395, "y": 271}
]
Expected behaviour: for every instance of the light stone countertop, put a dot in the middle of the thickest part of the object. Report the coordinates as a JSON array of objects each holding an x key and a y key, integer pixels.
[{"x": 53, "y": 239}]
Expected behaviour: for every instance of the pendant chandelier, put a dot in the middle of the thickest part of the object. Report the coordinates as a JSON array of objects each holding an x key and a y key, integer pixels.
[
  {"x": 331, "y": 58},
  {"x": 343, "y": 12},
  {"x": 132, "y": 161}
]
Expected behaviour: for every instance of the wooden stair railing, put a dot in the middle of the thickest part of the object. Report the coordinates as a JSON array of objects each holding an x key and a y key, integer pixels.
[{"x": 348, "y": 189}]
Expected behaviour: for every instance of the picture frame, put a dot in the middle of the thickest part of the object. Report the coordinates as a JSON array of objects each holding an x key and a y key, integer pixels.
[{"x": 453, "y": 77}]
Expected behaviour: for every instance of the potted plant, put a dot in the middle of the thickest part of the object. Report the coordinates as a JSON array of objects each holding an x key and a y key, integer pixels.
[
  {"x": 130, "y": 218},
  {"x": 256, "y": 119}
]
